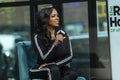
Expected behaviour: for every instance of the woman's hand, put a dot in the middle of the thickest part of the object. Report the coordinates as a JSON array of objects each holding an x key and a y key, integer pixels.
[
  {"x": 43, "y": 65},
  {"x": 59, "y": 38}
]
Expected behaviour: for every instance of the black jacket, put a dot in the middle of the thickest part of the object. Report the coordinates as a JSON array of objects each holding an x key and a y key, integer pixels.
[{"x": 60, "y": 54}]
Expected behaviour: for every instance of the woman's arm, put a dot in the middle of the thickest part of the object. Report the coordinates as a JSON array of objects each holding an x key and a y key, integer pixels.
[{"x": 68, "y": 55}]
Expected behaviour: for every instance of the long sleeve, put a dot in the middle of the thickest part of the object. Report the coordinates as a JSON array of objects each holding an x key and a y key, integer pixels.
[
  {"x": 64, "y": 52},
  {"x": 40, "y": 47},
  {"x": 60, "y": 54}
]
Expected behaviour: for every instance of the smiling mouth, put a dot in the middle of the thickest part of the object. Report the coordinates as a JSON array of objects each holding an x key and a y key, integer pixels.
[{"x": 57, "y": 22}]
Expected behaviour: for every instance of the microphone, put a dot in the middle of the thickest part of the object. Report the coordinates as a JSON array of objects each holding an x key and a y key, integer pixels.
[{"x": 62, "y": 33}]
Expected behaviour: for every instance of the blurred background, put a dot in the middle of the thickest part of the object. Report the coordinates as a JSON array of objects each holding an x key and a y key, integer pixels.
[{"x": 84, "y": 20}]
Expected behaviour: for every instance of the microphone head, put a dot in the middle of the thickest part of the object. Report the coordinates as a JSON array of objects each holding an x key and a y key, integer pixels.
[{"x": 61, "y": 32}]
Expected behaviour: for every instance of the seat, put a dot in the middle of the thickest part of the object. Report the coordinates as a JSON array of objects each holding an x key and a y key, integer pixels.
[{"x": 27, "y": 59}]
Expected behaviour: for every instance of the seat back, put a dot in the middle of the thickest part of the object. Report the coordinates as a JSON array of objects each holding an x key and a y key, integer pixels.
[{"x": 26, "y": 59}]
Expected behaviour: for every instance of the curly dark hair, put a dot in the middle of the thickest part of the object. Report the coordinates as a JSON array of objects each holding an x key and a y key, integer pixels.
[
  {"x": 41, "y": 24},
  {"x": 42, "y": 21}
]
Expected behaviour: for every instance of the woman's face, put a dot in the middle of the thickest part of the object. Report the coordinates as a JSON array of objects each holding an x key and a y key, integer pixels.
[{"x": 54, "y": 19}]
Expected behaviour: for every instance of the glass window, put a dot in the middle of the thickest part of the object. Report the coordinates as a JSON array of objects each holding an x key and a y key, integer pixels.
[
  {"x": 76, "y": 25},
  {"x": 76, "y": 18},
  {"x": 2, "y": 1},
  {"x": 14, "y": 27},
  {"x": 43, "y": 6},
  {"x": 103, "y": 43}
]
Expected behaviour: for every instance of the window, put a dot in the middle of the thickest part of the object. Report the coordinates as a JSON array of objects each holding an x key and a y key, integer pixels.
[
  {"x": 103, "y": 53},
  {"x": 14, "y": 27},
  {"x": 76, "y": 25}
]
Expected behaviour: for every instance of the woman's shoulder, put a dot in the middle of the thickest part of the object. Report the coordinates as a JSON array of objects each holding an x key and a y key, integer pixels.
[{"x": 39, "y": 36}]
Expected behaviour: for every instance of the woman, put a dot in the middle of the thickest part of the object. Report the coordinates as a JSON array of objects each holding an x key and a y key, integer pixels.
[{"x": 53, "y": 48}]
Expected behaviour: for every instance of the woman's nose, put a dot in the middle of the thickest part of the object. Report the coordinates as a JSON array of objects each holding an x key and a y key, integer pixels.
[{"x": 57, "y": 18}]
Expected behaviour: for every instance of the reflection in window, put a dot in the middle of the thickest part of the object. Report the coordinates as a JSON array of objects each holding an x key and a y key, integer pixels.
[
  {"x": 76, "y": 18},
  {"x": 76, "y": 25},
  {"x": 103, "y": 42},
  {"x": 14, "y": 27},
  {"x": 14, "y": 20},
  {"x": 101, "y": 16}
]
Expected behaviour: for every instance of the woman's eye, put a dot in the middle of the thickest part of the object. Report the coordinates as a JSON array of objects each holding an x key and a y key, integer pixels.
[{"x": 53, "y": 16}]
